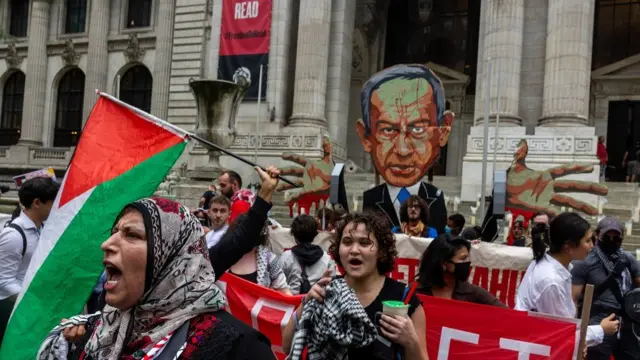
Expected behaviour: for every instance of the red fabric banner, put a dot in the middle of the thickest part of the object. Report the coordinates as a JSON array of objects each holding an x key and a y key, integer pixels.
[
  {"x": 245, "y": 27},
  {"x": 455, "y": 330}
]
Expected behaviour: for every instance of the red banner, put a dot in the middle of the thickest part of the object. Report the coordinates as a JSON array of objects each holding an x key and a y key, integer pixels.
[
  {"x": 455, "y": 330},
  {"x": 245, "y": 34},
  {"x": 502, "y": 283}
]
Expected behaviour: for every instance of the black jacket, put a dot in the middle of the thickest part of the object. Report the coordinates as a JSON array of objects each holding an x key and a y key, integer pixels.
[
  {"x": 378, "y": 199},
  {"x": 235, "y": 244}
]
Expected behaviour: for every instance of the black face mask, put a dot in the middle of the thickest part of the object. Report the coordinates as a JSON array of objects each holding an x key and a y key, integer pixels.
[
  {"x": 462, "y": 270},
  {"x": 610, "y": 244}
]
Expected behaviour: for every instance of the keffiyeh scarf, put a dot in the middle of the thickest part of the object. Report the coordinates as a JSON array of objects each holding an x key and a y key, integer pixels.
[
  {"x": 330, "y": 328},
  {"x": 413, "y": 230},
  {"x": 624, "y": 280},
  {"x": 243, "y": 195},
  {"x": 179, "y": 286}
]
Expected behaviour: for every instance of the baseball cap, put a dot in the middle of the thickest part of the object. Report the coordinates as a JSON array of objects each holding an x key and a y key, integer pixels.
[{"x": 609, "y": 223}]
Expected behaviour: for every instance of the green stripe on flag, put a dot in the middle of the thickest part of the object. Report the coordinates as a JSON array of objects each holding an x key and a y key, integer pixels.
[{"x": 67, "y": 276}]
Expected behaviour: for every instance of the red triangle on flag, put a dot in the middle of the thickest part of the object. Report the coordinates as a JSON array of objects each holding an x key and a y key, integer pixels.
[{"x": 114, "y": 140}]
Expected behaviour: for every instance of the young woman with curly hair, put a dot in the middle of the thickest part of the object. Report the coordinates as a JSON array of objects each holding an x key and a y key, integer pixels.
[{"x": 364, "y": 248}]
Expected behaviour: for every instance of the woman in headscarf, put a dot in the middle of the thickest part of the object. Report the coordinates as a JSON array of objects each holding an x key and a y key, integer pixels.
[{"x": 162, "y": 301}]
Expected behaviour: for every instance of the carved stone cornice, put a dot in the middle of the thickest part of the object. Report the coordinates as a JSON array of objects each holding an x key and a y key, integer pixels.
[
  {"x": 13, "y": 59},
  {"x": 134, "y": 52},
  {"x": 70, "y": 57}
]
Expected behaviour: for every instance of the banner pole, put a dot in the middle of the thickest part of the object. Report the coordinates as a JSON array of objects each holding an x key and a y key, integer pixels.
[
  {"x": 495, "y": 136},
  {"x": 485, "y": 144},
  {"x": 255, "y": 156},
  {"x": 584, "y": 318}
]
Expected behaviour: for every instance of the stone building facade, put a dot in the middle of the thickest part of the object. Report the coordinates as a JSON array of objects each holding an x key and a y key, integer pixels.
[{"x": 554, "y": 78}]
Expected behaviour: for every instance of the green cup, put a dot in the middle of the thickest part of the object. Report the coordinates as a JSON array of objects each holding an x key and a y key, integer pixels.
[{"x": 392, "y": 307}]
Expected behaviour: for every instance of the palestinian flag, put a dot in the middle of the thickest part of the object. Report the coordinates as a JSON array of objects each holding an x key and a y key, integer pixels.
[{"x": 123, "y": 155}]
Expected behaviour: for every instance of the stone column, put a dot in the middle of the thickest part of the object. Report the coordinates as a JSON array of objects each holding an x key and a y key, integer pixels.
[
  {"x": 339, "y": 79},
  {"x": 568, "y": 63},
  {"x": 312, "y": 62},
  {"x": 501, "y": 37},
  {"x": 36, "y": 81},
  {"x": 162, "y": 66},
  {"x": 97, "y": 55}
]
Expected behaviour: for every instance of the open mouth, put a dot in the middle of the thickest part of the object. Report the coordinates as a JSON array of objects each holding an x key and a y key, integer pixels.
[
  {"x": 355, "y": 262},
  {"x": 402, "y": 169},
  {"x": 114, "y": 275}
]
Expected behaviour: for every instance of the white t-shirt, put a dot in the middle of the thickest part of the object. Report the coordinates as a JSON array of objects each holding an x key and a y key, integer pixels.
[{"x": 214, "y": 236}]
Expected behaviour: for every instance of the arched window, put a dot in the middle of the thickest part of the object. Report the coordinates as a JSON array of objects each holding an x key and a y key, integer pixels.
[
  {"x": 69, "y": 109},
  {"x": 76, "y": 16},
  {"x": 135, "y": 87},
  {"x": 12, "y": 100},
  {"x": 139, "y": 13},
  {"x": 19, "y": 18}
]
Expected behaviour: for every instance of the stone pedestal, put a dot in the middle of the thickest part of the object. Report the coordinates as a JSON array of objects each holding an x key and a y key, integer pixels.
[{"x": 548, "y": 148}]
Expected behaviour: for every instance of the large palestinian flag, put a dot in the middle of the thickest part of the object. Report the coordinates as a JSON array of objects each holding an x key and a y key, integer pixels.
[{"x": 123, "y": 155}]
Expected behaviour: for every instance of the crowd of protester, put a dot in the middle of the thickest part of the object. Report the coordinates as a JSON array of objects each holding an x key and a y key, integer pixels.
[{"x": 344, "y": 287}]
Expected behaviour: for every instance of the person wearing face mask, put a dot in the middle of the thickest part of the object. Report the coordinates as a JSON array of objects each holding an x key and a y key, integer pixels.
[
  {"x": 444, "y": 271},
  {"x": 613, "y": 273},
  {"x": 546, "y": 286},
  {"x": 455, "y": 224}
]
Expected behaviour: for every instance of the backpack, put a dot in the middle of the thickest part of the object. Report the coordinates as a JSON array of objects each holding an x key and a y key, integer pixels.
[{"x": 19, "y": 229}]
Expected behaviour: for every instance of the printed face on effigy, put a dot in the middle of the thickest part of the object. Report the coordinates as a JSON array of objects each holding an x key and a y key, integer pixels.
[{"x": 406, "y": 125}]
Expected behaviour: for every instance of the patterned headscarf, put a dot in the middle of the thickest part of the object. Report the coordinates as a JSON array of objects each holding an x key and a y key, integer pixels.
[
  {"x": 244, "y": 195},
  {"x": 179, "y": 283}
]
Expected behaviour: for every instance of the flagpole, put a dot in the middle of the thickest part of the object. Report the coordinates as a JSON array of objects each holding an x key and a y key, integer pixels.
[
  {"x": 168, "y": 126},
  {"x": 255, "y": 155},
  {"x": 485, "y": 142}
]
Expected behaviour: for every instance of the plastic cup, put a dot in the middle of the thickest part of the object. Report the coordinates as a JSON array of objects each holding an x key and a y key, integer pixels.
[{"x": 391, "y": 307}]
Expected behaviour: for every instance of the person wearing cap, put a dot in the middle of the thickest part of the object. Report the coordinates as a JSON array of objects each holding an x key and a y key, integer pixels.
[{"x": 613, "y": 272}]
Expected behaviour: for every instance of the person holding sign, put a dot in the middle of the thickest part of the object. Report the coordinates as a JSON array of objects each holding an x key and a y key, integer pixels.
[
  {"x": 364, "y": 247},
  {"x": 546, "y": 286}
]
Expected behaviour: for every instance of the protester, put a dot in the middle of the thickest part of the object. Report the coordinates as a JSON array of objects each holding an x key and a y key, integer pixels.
[
  {"x": 364, "y": 247},
  {"x": 260, "y": 265},
  {"x": 206, "y": 197},
  {"x": 603, "y": 156},
  {"x": 325, "y": 218},
  {"x": 19, "y": 239},
  {"x": 203, "y": 217},
  {"x": 539, "y": 217},
  {"x": 546, "y": 286},
  {"x": 455, "y": 224},
  {"x": 230, "y": 184},
  {"x": 444, "y": 272},
  {"x": 218, "y": 212},
  {"x": 148, "y": 306},
  {"x": 519, "y": 232},
  {"x": 305, "y": 263},
  {"x": 414, "y": 218},
  {"x": 473, "y": 233},
  {"x": 614, "y": 273}
]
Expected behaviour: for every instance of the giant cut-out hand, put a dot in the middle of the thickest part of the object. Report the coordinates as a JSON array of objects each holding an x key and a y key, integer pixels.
[
  {"x": 532, "y": 190},
  {"x": 314, "y": 176}
]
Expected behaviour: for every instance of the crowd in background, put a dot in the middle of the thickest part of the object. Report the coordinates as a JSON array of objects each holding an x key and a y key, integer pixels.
[{"x": 344, "y": 287}]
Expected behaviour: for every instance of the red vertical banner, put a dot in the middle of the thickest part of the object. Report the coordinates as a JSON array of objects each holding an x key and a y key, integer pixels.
[{"x": 245, "y": 35}]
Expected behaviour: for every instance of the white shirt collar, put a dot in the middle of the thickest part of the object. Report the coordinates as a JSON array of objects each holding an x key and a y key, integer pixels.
[
  {"x": 394, "y": 190},
  {"x": 559, "y": 268},
  {"x": 27, "y": 223}
]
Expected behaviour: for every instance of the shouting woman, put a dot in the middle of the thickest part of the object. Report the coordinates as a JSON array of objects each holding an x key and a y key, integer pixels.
[{"x": 345, "y": 314}]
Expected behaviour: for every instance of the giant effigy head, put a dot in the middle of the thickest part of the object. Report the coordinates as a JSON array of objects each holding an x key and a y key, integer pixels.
[{"x": 404, "y": 122}]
